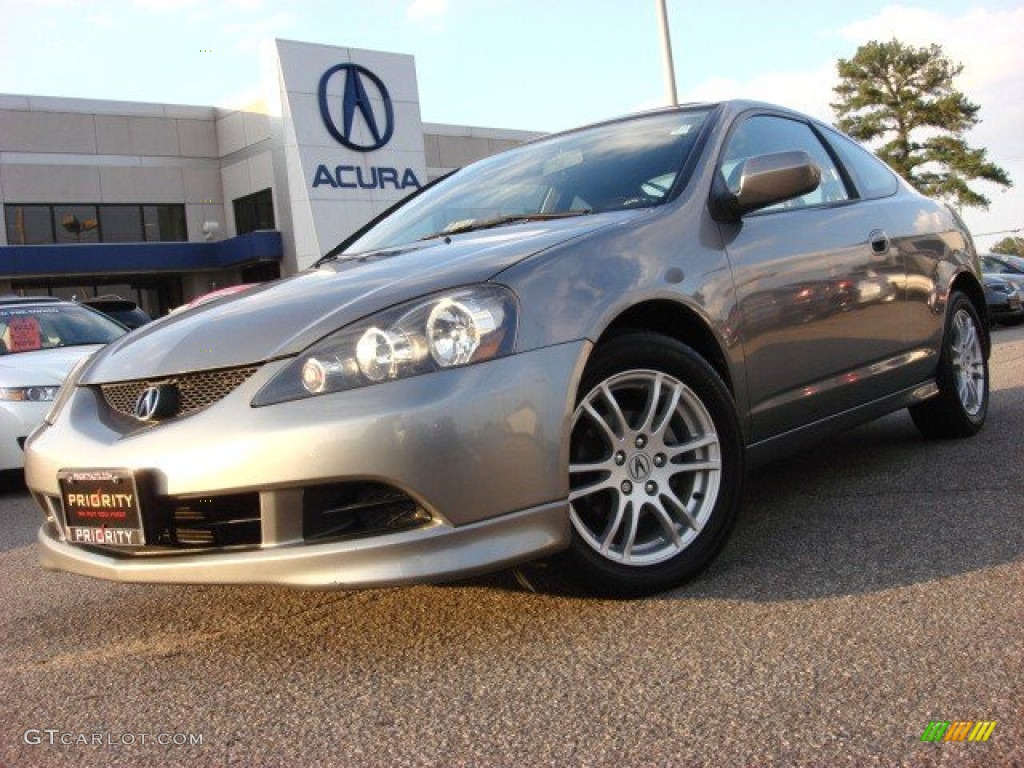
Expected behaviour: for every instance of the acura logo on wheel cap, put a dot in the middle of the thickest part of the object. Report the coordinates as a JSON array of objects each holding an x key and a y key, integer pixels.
[
  {"x": 156, "y": 402},
  {"x": 639, "y": 467}
]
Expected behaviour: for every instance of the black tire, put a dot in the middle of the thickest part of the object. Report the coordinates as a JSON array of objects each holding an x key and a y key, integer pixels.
[
  {"x": 641, "y": 522},
  {"x": 960, "y": 407}
]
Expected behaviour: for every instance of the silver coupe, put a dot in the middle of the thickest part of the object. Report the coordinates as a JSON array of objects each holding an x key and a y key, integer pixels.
[{"x": 577, "y": 346}]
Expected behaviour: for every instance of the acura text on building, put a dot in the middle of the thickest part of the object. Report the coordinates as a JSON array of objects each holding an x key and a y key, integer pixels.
[{"x": 357, "y": 108}]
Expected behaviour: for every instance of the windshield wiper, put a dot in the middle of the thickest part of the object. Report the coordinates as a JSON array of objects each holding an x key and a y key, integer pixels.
[{"x": 472, "y": 225}]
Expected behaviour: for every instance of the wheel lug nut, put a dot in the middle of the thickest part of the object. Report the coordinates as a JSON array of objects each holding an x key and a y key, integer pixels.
[
  {"x": 651, "y": 487},
  {"x": 659, "y": 460},
  {"x": 627, "y": 487},
  {"x": 620, "y": 458},
  {"x": 641, "y": 441}
]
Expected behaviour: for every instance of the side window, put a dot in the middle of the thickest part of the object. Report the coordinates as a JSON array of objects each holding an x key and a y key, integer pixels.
[
  {"x": 872, "y": 177},
  {"x": 766, "y": 134}
]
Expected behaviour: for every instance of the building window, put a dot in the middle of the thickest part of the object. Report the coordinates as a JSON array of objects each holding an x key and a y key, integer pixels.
[
  {"x": 29, "y": 224},
  {"x": 121, "y": 223},
  {"x": 254, "y": 212},
  {"x": 76, "y": 223},
  {"x": 46, "y": 224},
  {"x": 164, "y": 222}
]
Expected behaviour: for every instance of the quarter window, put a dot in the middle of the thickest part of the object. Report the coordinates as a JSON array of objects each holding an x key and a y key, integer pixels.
[{"x": 871, "y": 176}]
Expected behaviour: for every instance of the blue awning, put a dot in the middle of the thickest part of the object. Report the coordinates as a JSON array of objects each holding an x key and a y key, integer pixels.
[{"x": 114, "y": 258}]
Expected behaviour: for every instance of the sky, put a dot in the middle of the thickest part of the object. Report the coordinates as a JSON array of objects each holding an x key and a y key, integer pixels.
[{"x": 532, "y": 64}]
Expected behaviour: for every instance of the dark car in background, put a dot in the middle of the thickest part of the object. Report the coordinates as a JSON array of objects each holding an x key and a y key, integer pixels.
[
  {"x": 125, "y": 311},
  {"x": 1005, "y": 299},
  {"x": 1004, "y": 287},
  {"x": 1003, "y": 264},
  {"x": 578, "y": 345}
]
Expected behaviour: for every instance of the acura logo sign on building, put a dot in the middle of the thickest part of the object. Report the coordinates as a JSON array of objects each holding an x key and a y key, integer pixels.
[
  {"x": 361, "y": 88},
  {"x": 357, "y": 98}
]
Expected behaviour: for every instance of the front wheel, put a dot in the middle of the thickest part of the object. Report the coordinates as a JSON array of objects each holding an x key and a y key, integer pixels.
[
  {"x": 656, "y": 466},
  {"x": 960, "y": 407}
]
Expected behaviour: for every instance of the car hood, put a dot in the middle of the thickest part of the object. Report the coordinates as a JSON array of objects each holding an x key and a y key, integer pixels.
[
  {"x": 42, "y": 367},
  {"x": 991, "y": 280},
  {"x": 286, "y": 316}
]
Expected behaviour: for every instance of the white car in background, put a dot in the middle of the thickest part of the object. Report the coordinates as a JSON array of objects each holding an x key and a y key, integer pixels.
[{"x": 41, "y": 340}]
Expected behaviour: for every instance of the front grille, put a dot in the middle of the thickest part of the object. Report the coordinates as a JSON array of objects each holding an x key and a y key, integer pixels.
[
  {"x": 195, "y": 390},
  {"x": 345, "y": 510}
]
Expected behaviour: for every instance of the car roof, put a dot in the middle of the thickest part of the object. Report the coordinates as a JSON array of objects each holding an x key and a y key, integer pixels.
[
  {"x": 8, "y": 301},
  {"x": 109, "y": 302},
  {"x": 729, "y": 107},
  {"x": 15, "y": 299}
]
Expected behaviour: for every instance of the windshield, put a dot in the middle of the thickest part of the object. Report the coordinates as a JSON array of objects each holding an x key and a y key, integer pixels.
[
  {"x": 617, "y": 166},
  {"x": 1016, "y": 263},
  {"x": 45, "y": 326}
]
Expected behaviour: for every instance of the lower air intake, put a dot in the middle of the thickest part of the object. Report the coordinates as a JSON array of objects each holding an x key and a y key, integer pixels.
[{"x": 345, "y": 510}]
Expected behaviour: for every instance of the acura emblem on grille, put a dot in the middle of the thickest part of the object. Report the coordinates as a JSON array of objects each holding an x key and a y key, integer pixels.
[{"x": 156, "y": 403}]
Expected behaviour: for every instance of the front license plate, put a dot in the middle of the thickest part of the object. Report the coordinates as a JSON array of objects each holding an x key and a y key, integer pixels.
[{"x": 101, "y": 506}]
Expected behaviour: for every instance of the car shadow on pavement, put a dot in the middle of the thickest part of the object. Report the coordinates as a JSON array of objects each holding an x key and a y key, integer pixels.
[
  {"x": 875, "y": 508},
  {"x": 11, "y": 481}
]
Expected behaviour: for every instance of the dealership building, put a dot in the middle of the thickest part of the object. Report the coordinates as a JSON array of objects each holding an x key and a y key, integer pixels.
[{"x": 162, "y": 202}]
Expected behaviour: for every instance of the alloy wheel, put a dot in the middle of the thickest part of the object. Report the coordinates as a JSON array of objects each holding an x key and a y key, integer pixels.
[{"x": 645, "y": 467}]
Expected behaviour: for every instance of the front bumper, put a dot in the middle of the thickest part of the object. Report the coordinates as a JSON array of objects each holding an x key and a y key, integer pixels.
[
  {"x": 483, "y": 449},
  {"x": 17, "y": 420},
  {"x": 1010, "y": 310},
  {"x": 435, "y": 553}
]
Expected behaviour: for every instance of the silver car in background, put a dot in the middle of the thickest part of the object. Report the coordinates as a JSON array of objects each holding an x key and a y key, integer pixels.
[
  {"x": 576, "y": 346},
  {"x": 41, "y": 339}
]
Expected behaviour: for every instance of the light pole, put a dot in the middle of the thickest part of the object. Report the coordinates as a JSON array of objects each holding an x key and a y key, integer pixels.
[{"x": 666, "y": 55}]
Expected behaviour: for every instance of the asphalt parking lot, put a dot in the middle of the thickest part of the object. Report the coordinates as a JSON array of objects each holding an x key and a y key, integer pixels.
[{"x": 874, "y": 584}]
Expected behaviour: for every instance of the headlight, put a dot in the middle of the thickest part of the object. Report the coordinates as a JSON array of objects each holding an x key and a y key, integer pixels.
[
  {"x": 62, "y": 395},
  {"x": 447, "y": 330},
  {"x": 42, "y": 394}
]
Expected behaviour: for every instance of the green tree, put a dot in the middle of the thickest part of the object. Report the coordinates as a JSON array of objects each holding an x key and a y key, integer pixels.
[
  {"x": 904, "y": 97},
  {"x": 1012, "y": 246}
]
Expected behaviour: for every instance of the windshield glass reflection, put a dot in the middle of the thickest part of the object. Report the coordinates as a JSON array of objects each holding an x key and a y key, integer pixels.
[{"x": 612, "y": 167}]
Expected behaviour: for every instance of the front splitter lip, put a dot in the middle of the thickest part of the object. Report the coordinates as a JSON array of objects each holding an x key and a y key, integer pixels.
[{"x": 438, "y": 552}]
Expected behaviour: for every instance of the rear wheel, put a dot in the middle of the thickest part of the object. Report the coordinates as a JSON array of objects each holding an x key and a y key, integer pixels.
[
  {"x": 656, "y": 466},
  {"x": 960, "y": 408}
]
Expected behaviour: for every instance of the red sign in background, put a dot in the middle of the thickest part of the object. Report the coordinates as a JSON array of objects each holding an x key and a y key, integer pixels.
[{"x": 23, "y": 334}]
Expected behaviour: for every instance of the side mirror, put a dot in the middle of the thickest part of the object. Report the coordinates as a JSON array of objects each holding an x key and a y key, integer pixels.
[{"x": 763, "y": 181}]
